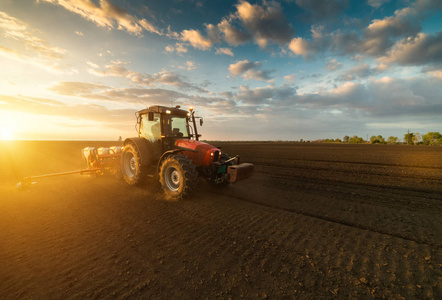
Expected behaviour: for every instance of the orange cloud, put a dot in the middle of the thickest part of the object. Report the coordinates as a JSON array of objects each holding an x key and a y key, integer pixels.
[
  {"x": 225, "y": 51},
  {"x": 249, "y": 70},
  {"x": 31, "y": 48},
  {"x": 300, "y": 46},
  {"x": 107, "y": 14},
  {"x": 196, "y": 39},
  {"x": 421, "y": 49}
]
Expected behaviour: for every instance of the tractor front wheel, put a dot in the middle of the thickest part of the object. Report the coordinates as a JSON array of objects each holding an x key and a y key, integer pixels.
[
  {"x": 131, "y": 169},
  {"x": 178, "y": 177}
]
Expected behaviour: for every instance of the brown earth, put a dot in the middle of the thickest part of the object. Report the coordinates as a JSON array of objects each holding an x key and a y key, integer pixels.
[{"x": 315, "y": 221}]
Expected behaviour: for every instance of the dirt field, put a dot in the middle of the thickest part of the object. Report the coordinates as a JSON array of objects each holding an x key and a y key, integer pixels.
[{"x": 315, "y": 221}]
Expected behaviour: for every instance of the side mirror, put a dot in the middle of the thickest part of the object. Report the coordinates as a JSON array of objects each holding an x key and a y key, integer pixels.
[
  {"x": 201, "y": 122},
  {"x": 150, "y": 116}
]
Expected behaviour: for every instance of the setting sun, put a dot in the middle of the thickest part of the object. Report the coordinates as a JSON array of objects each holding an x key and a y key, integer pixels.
[
  {"x": 9, "y": 126},
  {"x": 7, "y": 133}
]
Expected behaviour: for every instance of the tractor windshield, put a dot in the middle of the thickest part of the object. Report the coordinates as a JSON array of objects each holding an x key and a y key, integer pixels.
[{"x": 175, "y": 126}]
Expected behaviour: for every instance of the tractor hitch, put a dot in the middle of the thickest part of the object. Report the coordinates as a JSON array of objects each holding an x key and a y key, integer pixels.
[
  {"x": 235, "y": 159},
  {"x": 27, "y": 181}
]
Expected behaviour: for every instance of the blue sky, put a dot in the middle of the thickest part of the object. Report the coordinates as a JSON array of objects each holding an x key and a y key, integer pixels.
[{"x": 255, "y": 70}]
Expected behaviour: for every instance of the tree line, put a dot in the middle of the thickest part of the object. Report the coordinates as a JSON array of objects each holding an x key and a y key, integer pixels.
[{"x": 431, "y": 138}]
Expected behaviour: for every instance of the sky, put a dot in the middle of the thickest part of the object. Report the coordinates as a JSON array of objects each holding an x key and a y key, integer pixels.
[{"x": 254, "y": 70}]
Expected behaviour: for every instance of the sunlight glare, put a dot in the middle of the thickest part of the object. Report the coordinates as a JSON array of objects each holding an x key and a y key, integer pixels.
[{"x": 7, "y": 133}]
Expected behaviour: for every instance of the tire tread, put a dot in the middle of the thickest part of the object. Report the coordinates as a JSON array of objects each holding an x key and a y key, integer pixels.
[{"x": 190, "y": 177}]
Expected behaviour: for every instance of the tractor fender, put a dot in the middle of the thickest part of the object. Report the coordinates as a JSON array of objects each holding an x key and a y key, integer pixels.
[
  {"x": 143, "y": 147},
  {"x": 166, "y": 154}
]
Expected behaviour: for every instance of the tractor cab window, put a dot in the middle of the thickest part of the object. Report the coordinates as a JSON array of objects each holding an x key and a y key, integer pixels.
[
  {"x": 175, "y": 126},
  {"x": 150, "y": 130}
]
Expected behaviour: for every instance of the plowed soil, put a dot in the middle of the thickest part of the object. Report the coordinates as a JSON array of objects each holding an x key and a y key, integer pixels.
[{"x": 315, "y": 221}]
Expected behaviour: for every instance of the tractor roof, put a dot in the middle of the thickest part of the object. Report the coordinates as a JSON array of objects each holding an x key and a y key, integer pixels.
[{"x": 164, "y": 110}]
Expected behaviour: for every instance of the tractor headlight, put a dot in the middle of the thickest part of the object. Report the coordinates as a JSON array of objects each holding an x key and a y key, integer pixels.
[{"x": 168, "y": 112}]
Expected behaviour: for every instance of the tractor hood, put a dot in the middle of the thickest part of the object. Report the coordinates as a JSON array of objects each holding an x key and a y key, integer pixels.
[{"x": 200, "y": 153}]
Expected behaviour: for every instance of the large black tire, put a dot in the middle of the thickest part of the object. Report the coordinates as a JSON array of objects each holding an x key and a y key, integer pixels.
[
  {"x": 131, "y": 169},
  {"x": 178, "y": 177}
]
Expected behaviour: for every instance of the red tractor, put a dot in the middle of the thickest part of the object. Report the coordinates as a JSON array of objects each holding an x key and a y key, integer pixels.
[{"x": 168, "y": 145}]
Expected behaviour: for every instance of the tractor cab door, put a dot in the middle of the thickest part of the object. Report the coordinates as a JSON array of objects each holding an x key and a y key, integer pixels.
[
  {"x": 173, "y": 127},
  {"x": 150, "y": 129}
]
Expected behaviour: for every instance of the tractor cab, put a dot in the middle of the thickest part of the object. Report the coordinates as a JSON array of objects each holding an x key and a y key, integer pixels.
[{"x": 164, "y": 125}]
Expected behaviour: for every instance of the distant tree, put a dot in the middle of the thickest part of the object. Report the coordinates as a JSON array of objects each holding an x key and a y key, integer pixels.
[
  {"x": 356, "y": 140},
  {"x": 392, "y": 140},
  {"x": 416, "y": 138},
  {"x": 377, "y": 139},
  {"x": 408, "y": 138},
  {"x": 432, "y": 138},
  {"x": 380, "y": 139},
  {"x": 346, "y": 139},
  {"x": 338, "y": 141},
  {"x": 353, "y": 139}
]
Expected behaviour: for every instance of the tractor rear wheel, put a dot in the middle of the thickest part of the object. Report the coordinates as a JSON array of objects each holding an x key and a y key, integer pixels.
[
  {"x": 131, "y": 169},
  {"x": 178, "y": 177}
]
